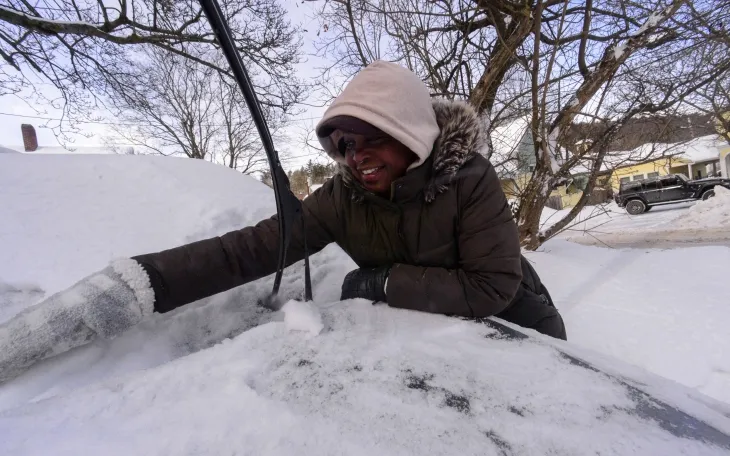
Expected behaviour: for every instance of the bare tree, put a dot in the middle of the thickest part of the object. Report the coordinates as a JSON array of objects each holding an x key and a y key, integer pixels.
[
  {"x": 711, "y": 23},
  {"x": 189, "y": 109},
  {"x": 238, "y": 144},
  {"x": 87, "y": 48},
  {"x": 175, "y": 115}
]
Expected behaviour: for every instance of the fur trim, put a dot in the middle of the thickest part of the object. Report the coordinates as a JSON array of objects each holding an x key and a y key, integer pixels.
[
  {"x": 460, "y": 139},
  {"x": 137, "y": 279}
]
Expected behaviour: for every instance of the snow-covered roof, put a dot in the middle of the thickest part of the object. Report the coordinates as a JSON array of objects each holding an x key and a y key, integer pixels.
[
  {"x": 506, "y": 138},
  {"x": 505, "y": 142},
  {"x": 7, "y": 150},
  {"x": 703, "y": 148},
  {"x": 697, "y": 150},
  {"x": 60, "y": 150}
]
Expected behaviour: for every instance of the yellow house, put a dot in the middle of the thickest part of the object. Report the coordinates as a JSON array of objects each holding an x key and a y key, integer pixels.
[
  {"x": 646, "y": 170},
  {"x": 699, "y": 158}
]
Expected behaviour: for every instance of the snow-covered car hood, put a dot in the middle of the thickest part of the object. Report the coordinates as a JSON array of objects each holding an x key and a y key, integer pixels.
[
  {"x": 224, "y": 376},
  {"x": 375, "y": 380}
]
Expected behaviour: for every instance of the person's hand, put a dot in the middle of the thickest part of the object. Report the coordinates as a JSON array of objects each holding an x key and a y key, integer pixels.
[
  {"x": 366, "y": 283},
  {"x": 116, "y": 298},
  {"x": 103, "y": 304}
]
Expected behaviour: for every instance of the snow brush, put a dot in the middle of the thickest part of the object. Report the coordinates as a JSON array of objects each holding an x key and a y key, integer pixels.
[{"x": 288, "y": 207}]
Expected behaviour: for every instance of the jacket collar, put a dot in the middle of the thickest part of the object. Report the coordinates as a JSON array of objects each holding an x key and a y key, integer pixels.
[{"x": 460, "y": 139}]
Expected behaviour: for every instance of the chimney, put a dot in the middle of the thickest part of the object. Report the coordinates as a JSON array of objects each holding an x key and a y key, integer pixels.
[{"x": 30, "y": 140}]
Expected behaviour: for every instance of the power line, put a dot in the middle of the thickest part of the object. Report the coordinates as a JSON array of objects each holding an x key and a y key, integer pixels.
[{"x": 120, "y": 123}]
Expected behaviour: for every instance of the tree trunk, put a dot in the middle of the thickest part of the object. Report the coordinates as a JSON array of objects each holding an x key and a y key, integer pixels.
[{"x": 533, "y": 200}]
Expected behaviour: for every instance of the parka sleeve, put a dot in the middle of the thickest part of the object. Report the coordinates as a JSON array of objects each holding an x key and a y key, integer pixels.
[
  {"x": 489, "y": 272},
  {"x": 194, "y": 271}
]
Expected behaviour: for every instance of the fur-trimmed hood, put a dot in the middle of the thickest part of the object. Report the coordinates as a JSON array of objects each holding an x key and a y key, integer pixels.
[{"x": 460, "y": 139}]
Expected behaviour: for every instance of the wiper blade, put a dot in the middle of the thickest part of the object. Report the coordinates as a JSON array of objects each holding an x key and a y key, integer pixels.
[{"x": 288, "y": 206}]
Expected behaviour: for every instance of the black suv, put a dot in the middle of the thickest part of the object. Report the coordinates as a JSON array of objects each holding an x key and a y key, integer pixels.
[{"x": 641, "y": 195}]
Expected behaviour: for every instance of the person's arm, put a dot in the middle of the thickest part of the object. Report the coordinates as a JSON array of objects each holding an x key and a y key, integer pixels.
[
  {"x": 489, "y": 271},
  {"x": 194, "y": 271}
]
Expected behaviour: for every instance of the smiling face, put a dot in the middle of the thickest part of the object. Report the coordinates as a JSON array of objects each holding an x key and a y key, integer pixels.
[{"x": 376, "y": 160}]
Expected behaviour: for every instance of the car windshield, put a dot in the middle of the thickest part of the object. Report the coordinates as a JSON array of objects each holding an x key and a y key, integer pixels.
[{"x": 682, "y": 177}]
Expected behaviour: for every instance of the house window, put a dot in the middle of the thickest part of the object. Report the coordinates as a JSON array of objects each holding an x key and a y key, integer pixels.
[
  {"x": 651, "y": 175},
  {"x": 637, "y": 177},
  {"x": 624, "y": 180}
]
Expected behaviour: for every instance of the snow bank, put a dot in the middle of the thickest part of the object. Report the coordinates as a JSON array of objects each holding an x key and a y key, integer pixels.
[
  {"x": 65, "y": 216},
  {"x": 711, "y": 213}
]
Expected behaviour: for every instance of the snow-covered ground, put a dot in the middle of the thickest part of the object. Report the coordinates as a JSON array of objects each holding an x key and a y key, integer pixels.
[
  {"x": 711, "y": 213},
  {"x": 223, "y": 376},
  {"x": 664, "y": 310}
]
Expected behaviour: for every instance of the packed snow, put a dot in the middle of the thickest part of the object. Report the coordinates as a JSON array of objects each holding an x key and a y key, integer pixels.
[
  {"x": 711, "y": 213},
  {"x": 225, "y": 376},
  {"x": 663, "y": 310},
  {"x": 302, "y": 316},
  {"x": 65, "y": 216}
]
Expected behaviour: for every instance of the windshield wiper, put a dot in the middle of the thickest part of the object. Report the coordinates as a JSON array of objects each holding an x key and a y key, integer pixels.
[{"x": 288, "y": 206}]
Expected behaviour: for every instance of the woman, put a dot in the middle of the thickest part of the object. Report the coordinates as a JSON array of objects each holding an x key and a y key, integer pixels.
[{"x": 414, "y": 204}]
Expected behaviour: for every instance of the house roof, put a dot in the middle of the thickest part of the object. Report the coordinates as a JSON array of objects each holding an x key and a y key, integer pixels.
[
  {"x": 59, "y": 150},
  {"x": 700, "y": 149},
  {"x": 505, "y": 141},
  {"x": 7, "y": 150},
  {"x": 506, "y": 137},
  {"x": 703, "y": 148}
]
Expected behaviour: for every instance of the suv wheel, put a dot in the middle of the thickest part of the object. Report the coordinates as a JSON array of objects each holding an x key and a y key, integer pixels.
[
  {"x": 708, "y": 194},
  {"x": 635, "y": 207}
]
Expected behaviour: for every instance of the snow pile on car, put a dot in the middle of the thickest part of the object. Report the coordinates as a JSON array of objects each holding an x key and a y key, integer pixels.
[
  {"x": 711, "y": 213},
  {"x": 376, "y": 381},
  {"x": 224, "y": 376},
  {"x": 65, "y": 216}
]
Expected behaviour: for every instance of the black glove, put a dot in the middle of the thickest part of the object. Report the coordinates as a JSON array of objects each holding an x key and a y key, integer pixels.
[{"x": 366, "y": 283}]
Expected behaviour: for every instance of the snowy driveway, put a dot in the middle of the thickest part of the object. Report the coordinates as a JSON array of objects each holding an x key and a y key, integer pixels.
[{"x": 675, "y": 225}]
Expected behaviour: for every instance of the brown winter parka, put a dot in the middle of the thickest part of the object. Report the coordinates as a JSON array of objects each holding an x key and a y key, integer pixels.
[{"x": 446, "y": 230}]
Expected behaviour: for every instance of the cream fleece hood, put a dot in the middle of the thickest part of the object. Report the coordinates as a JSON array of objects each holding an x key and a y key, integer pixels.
[{"x": 391, "y": 98}]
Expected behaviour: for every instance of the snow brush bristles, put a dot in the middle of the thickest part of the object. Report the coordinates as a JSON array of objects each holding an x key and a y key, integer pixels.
[{"x": 273, "y": 302}]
